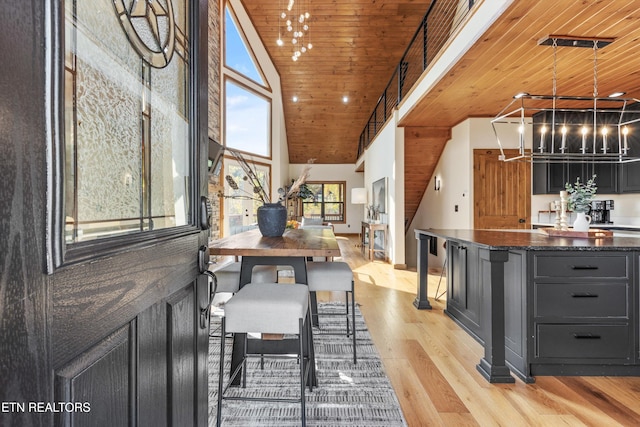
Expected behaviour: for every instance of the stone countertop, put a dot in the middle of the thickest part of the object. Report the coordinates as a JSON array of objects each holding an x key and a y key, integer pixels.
[
  {"x": 532, "y": 240},
  {"x": 594, "y": 225}
]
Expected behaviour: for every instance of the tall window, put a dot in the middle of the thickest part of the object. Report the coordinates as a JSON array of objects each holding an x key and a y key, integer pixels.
[
  {"x": 247, "y": 108},
  {"x": 327, "y": 203},
  {"x": 247, "y": 122},
  {"x": 237, "y": 54}
]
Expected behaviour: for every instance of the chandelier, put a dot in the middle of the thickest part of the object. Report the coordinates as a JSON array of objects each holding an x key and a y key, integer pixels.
[
  {"x": 294, "y": 23},
  {"x": 570, "y": 128}
]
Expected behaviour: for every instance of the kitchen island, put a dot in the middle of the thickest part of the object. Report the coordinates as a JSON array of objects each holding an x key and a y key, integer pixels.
[{"x": 541, "y": 305}]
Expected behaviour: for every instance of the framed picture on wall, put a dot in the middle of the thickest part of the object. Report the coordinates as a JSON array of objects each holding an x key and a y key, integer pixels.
[{"x": 379, "y": 194}]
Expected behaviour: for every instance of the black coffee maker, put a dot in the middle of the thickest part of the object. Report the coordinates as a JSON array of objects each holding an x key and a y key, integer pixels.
[{"x": 601, "y": 211}]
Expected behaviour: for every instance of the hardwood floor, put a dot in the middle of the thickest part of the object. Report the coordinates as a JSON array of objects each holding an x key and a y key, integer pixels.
[{"x": 431, "y": 363}]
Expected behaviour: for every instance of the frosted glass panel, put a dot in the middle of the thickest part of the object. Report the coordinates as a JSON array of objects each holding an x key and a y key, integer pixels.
[
  {"x": 169, "y": 142},
  {"x": 108, "y": 146},
  {"x": 127, "y": 134}
]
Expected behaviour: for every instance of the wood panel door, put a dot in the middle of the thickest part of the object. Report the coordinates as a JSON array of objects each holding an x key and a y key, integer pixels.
[
  {"x": 103, "y": 332},
  {"x": 501, "y": 191}
]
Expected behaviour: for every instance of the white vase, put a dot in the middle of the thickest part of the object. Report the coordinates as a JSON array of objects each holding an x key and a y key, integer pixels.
[{"x": 582, "y": 222}]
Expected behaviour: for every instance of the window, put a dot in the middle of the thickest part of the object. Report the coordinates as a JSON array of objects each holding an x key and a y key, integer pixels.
[
  {"x": 247, "y": 120},
  {"x": 236, "y": 54},
  {"x": 327, "y": 203},
  {"x": 241, "y": 203}
]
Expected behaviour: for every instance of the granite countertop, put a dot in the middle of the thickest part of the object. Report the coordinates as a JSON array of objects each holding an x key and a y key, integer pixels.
[
  {"x": 532, "y": 240},
  {"x": 594, "y": 225}
]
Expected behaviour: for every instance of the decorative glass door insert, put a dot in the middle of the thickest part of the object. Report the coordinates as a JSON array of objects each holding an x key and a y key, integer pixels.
[{"x": 127, "y": 117}]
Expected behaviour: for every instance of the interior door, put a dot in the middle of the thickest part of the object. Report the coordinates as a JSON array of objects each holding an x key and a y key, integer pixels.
[
  {"x": 502, "y": 191},
  {"x": 101, "y": 294}
]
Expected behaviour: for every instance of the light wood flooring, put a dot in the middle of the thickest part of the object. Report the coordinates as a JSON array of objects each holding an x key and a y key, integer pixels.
[{"x": 431, "y": 363}]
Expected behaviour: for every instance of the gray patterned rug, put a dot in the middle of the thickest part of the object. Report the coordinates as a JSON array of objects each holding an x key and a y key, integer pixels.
[{"x": 347, "y": 394}]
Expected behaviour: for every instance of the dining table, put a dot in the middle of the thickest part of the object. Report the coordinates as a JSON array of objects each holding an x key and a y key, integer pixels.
[{"x": 292, "y": 249}]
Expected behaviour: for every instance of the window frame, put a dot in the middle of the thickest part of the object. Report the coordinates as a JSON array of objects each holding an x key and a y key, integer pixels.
[
  {"x": 227, "y": 68},
  {"x": 343, "y": 201},
  {"x": 59, "y": 252},
  {"x": 225, "y": 187},
  {"x": 230, "y": 79}
]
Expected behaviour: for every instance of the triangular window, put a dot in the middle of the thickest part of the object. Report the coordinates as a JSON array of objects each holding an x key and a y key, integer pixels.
[{"x": 237, "y": 55}]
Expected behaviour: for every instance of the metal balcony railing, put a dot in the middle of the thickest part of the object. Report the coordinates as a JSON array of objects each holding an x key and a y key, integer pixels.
[{"x": 442, "y": 17}]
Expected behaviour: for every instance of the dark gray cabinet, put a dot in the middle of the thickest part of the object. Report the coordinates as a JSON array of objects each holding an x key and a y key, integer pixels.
[
  {"x": 566, "y": 312},
  {"x": 463, "y": 286},
  {"x": 630, "y": 178},
  {"x": 550, "y": 178},
  {"x": 583, "y": 311}
]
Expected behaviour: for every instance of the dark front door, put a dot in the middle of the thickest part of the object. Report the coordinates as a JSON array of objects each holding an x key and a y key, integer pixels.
[{"x": 103, "y": 150}]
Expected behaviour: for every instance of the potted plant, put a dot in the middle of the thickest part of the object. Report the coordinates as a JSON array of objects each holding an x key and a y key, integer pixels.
[{"x": 580, "y": 197}]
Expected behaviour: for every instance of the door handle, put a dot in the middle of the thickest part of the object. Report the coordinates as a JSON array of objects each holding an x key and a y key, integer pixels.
[
  {"x": 522, "y": 220},
  {"x": 205, "y": 313},
  {"x": 203, "y": 263}
]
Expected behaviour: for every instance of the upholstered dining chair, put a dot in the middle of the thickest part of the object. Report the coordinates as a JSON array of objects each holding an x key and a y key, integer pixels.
[
  {"x": 228, "y": 281},
  {"x": 229, "y": 276},
  {"x": 268, "y": 308},
  {"x": 335, "y": 276}
]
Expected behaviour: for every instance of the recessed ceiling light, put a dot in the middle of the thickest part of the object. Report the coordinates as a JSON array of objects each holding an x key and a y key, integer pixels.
[
  {"x": 294, "y": 99},
  {"x": 616, "y": 94},
  {"x": 345, "y": 99}
]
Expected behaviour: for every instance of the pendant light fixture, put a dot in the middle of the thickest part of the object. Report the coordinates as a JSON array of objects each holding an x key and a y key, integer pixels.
[
  {"x": 294, "y": 26},
  {"x": 570, "y": 128}
]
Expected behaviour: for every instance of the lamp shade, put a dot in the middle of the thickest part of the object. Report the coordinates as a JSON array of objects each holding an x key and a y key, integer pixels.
[{"x": 359, "y": 195}]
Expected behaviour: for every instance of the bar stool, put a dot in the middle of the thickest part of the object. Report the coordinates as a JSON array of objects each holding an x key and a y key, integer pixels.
[
  {"x": 229, "y": 276},
  {"x": 268, "y": 308},
  {"x": 335, "y": 276},
  {"x": 228, "y": 279}
]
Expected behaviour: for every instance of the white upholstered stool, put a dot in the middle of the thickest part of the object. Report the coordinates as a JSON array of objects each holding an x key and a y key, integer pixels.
[
  {"x": 335, "y": 276},
  {"x": 268, "y": 308},
  {"x": 229, "y": 276}
]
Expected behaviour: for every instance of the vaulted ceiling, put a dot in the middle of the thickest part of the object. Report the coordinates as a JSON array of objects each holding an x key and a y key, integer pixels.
[
  {"x": 356, "y": 46},
  {"x": 358, "y": 43}
]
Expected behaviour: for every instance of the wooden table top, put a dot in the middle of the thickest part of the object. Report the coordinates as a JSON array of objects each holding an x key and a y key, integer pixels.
[{"x": 299, "y": 242}]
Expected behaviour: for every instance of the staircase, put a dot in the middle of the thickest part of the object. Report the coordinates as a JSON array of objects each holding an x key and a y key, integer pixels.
[{"x": 422, "y": 149}]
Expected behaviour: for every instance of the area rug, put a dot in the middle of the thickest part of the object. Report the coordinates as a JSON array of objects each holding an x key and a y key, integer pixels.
[{"x": 347, "y": 394}]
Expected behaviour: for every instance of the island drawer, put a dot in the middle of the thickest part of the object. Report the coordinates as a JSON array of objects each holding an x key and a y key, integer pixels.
[
  {"x": 593, "y": 265},
  {"x": 581, "y": 300},
  {"x": 583, "y": 341}
]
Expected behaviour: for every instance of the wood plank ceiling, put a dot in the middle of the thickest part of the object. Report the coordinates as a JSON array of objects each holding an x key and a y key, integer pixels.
[
  {"x": 356, "y": 46},
  {"x": 508, "y": 60}
]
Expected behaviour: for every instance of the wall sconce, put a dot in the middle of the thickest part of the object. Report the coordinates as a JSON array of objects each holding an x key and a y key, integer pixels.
[{"x": 436, "y": 184}]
